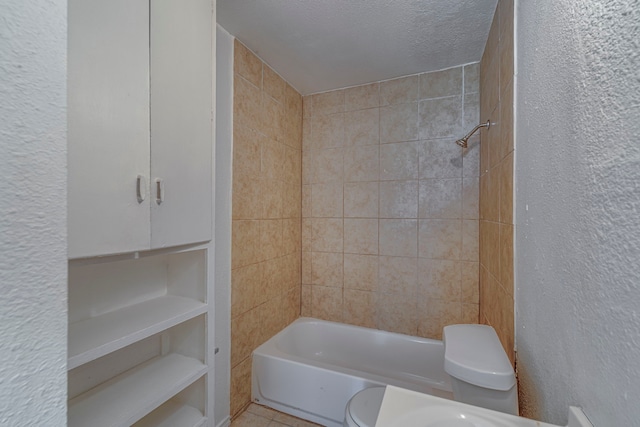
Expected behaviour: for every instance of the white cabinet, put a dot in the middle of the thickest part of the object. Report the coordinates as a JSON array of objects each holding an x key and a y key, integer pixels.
[
  {"x": 140, "y": 114},
  {"x": 139, "y": 185},
  {"x": 108, "y": 119}
]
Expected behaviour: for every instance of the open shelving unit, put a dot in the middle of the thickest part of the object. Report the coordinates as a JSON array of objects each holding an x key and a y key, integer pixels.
[
  {"x": 131, "y": 395},
  {"x": 137, "y": 340},
  {"x": 94, "y": 337}
]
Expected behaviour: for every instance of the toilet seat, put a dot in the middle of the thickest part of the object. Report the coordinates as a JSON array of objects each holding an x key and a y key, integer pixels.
[{"x": 363, "y": 408}]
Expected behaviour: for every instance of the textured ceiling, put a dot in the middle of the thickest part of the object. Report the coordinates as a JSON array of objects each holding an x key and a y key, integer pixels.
[{"x": 319, "y": 45}]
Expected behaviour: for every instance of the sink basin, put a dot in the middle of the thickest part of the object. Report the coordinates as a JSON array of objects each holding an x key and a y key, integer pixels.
[
  {"x": 445, "y": 416},
  {"x": 406, "y": 408}
]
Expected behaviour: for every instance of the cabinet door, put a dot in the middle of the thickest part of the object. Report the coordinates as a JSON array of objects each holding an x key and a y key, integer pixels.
[
  {"x": 108, "y": 119},
  {"x": 181, "y": 121}
]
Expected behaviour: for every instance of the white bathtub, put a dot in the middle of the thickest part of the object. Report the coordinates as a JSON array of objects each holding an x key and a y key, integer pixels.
[{"x": 312, "y": 367}]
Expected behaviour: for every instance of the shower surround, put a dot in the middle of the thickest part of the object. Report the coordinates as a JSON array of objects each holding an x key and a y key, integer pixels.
[
  {"x": 266, "y": 209},
  {"x": 390, "y": 203}
]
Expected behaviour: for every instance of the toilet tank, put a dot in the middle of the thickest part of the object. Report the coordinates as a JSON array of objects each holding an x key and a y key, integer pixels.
[{"x": 480, "y": 371}]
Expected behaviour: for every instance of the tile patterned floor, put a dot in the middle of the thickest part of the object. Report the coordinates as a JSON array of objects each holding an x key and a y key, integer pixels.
[{"x": 261, "y": 416}]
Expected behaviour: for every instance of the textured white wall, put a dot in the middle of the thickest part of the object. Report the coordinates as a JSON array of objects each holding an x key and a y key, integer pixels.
[
  {"x": 224, "y": 155},
  {"x": 578, "y": 208},
  {"x": 33, "y": 203}
]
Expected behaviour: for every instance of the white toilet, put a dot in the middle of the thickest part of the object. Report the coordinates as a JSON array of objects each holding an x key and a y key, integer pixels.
[{"x": 480, "y": 371}]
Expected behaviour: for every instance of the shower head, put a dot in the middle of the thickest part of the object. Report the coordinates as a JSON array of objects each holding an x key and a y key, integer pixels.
[{"x": 462, "y": 142}]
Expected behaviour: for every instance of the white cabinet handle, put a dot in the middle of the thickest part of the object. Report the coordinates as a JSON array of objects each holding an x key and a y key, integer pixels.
[
  {"x": 141, "y": 188},
  {"x": 159, "y": 190}
]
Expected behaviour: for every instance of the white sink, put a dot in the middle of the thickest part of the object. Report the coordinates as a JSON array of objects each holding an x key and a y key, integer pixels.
[{"x": 406, "y": 408}]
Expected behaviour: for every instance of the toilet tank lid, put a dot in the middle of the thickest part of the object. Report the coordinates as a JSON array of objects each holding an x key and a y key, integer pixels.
[{"x": 473, "y": 353}]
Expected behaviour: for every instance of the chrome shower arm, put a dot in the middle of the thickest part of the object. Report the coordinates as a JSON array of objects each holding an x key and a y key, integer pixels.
[{"x": 463, "y": 141}]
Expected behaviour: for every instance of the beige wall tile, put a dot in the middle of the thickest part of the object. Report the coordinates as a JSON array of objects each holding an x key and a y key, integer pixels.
[
  {"x": 396, "y": 313},
  {"x": 506, "y": 121},
  {"x": 272, "y": 278},
  {"x": 327, "y": 165},
  {"x": 429, "y": 327},
  {"x": 362, "y": 127},
  {"x": 245, "y": 247},
  {"x": 326, "y": 269},
  {"x": 271, "y": 318},
  {"x": 506, "y": 189},
  {"x": 306, "y": 201},
  {"x": 361, "y": 97},
  {"x": 399, "y": 91},
  {"x": 441, "y": 117},
  {"x": 398, "y": 275},
  {"x": 307, "y": 234},
  {"x": 272, "y": 194},
  {"x": 493, "y": 202},
  {"x": 306, "y": 303},
  {"x": 246, "y": 152},
  {"x": 440, "y": 198},
  {"x": 439, "y": 158},
  {"x": 441, "y": 83},
  {"x": 398, "y": 237},
  {"x": 506, "y": 257},
  {"x": 246, "y": 283},
  {"x": 399, "y": 123},
  {"x": 272, "y": 118},
  {"x": 292, "y": 306},
  {"x": 273, "y": 84},
  {"x": 306, "y": 268},
  {"x": 326, "y": 234},
  {"x": 272, "y": 156},
  {"x": 471, "y": 108},
  {"x": 439, "y": 280},
  {"x": 470, "y": 313},
  {"x": 399, "y": 199},
  {"x": 247, "y": 197},
  {"x": 471, "y": 157},
  {"x": 493, "y": 138},
  {"x": 327, "y": 303},
  {"x": 245, "y": 333},
  {"x": 361, "y": 236},
  {"x": 240, "y": 386},
  {"x": 327, "y": 102},
  {"x": 472, "y": 78},
  {"x": 359, "y": 308},
  {"x": 470, "y": 283},
  {"x": 440, "y": 239},
  {"x": 327, "y": 131},
  {"x": 326, "y": 200},
  {"x": 291, "y": 235},
  {"x": 398, "y": 161},
  {"x": 291, "y": 202},
  {"x": 484, "y": 197},
  {"x": 489, "y": 87},
  {"x": 247, "y": 105},
  {"x": 247, "y": 64},
  {"x": 470, "y": 240},
  {"x": 470, "y": 197},
  {"x": 292, "y": 166},
  {"x": 307, "y": 137},
  {"x": 361, "y": 199},
  {"x": 271, "y": 238},
  {"x": 493, "y": 248},
  {"x": 361, "y": 272},
  {"x": 361, "y": 163}
]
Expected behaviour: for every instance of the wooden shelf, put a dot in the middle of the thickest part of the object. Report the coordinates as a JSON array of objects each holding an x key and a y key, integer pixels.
[
  {"x": 173, "y": 414},
  {"x": 130, "y": 396},
  {"x": 97, "y": 336}
]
